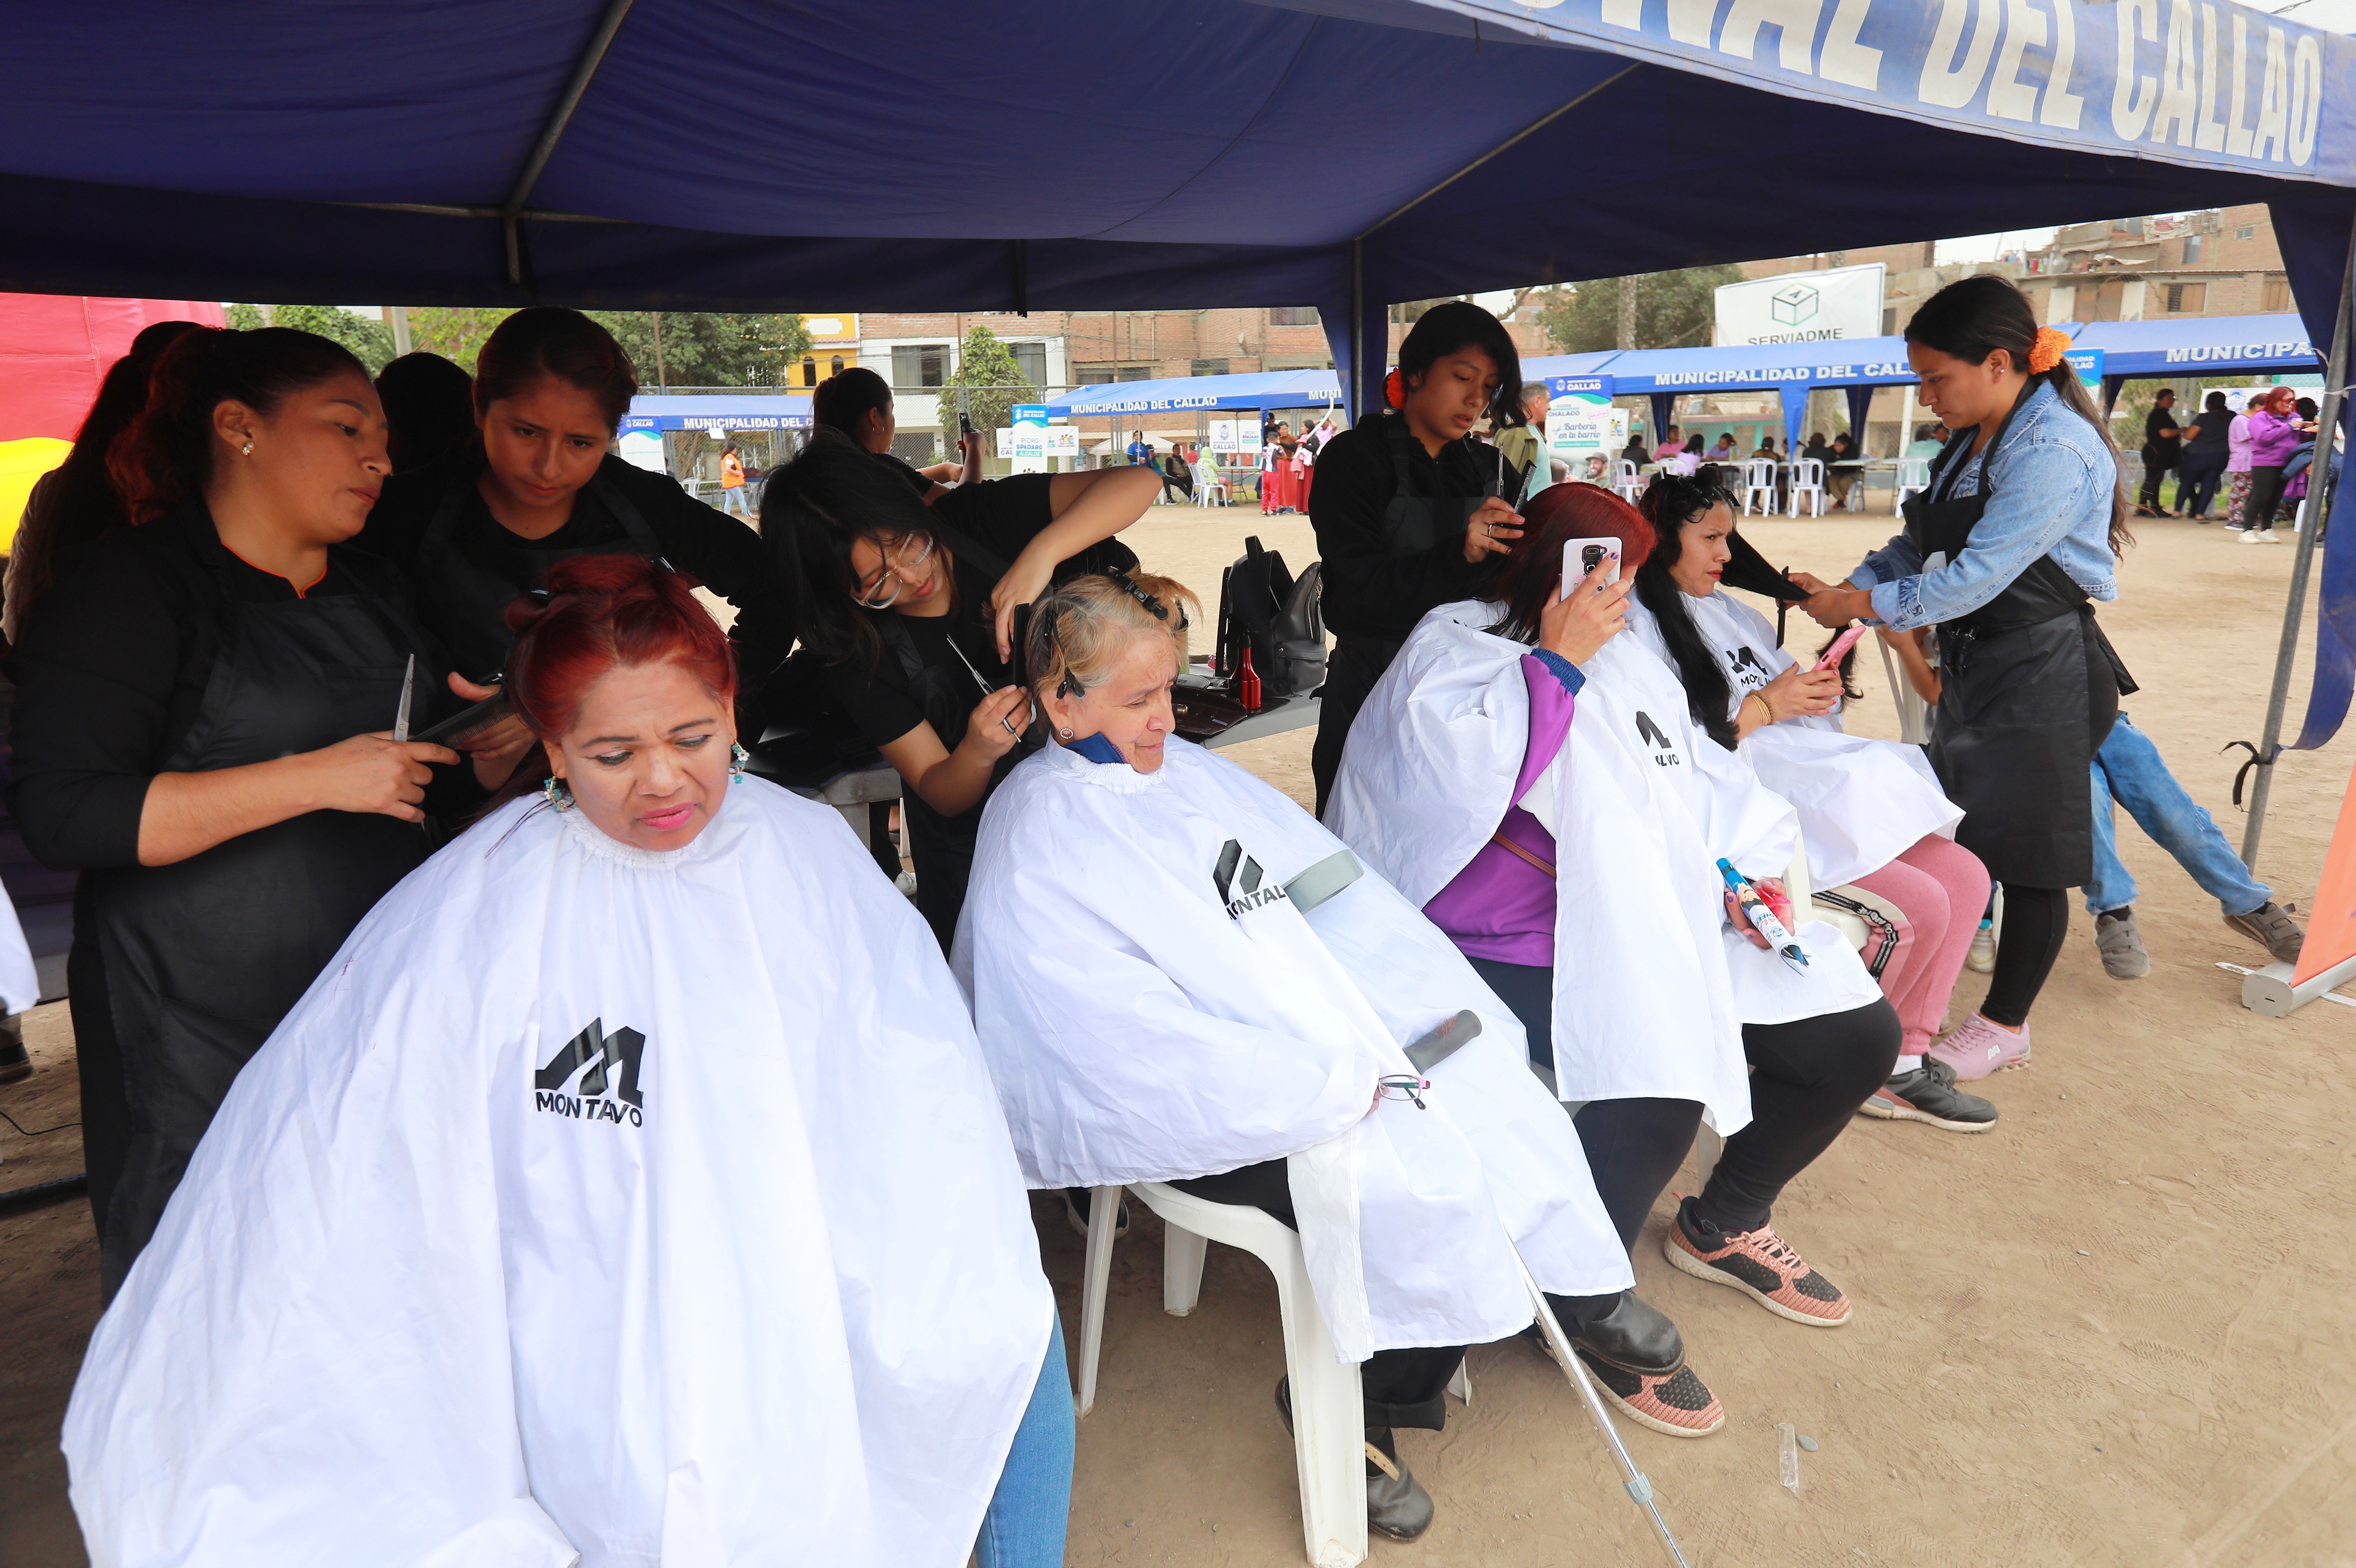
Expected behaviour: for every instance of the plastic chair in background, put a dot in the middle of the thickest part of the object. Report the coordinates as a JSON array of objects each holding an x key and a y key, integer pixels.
[
  {"x": 1759, "y": 483},
  {"x": 1808, "y": 481},
  {"x": 1209, "y": 488},
  {"x": 1913, "y": 477},
  {"x": 1630, "y": 484},
  {"x": 1329, "y": 1423}
]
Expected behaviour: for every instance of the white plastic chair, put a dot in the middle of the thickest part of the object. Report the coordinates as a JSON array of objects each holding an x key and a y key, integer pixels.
[
  {"x": 1209, "y": 488},
  {"x": 1759, "y": 482},
  {"x": 1630, "y": 485},
  {"x": 1913, "y": 477},
  {"x": 1329, "y": 1420},
  {"x": 1808, "y": 479}
]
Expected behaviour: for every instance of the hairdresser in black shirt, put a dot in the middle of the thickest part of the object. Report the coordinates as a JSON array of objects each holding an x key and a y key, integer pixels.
[
  {"x": 538, "y": 485},
  {"x": 858, "y": 403},
  {"x": 1408, "y": 505},
  {"x": 202, "y": 729}
]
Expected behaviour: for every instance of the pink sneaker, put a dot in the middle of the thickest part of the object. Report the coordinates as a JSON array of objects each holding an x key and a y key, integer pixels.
[{"x": 1979, "y": 1047}]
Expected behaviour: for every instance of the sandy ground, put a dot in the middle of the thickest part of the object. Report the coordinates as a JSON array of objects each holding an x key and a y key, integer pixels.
[{"x": 2116, "y": 1330}]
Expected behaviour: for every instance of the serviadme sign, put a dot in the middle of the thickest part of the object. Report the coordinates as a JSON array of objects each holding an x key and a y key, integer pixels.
[{"x": 2191, "y": 81}]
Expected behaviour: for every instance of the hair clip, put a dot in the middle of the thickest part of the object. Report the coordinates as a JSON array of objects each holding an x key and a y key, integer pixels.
[
  {"x": 1159, "y": 611},
  {"x": 541, "y": 596},
  {"x": 1068, "y": 687}
]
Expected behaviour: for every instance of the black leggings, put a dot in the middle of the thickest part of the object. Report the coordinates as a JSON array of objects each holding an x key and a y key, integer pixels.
[
  {"x": 2034, "y": 921},
  {"x": 1808, "y": 1078},
  {"x": 2258, "y": 512},
  {"x": 1401, "y": 1388}
]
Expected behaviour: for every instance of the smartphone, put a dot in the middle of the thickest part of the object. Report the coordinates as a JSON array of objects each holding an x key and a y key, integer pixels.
[
  {"x": 1586, "y": 553},
  {"x": 965, "y": 424},
  {"x": 1841, "y": 645}
]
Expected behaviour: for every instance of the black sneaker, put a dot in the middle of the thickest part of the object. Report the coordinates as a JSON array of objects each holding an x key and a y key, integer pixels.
[
  {"x": 15, "y": 1062},
  {"x": 1929, "y": 1094},
  {"x": 2270, "y": 926}
]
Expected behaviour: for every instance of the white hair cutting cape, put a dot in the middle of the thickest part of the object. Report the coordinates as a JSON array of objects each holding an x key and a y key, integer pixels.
[
  {"x": 1861, "y": 802},
  {"x": 1154, "y": 1007},
  {"x": 594, "y": 1204},
  {"x": 1651, "y": 984}
]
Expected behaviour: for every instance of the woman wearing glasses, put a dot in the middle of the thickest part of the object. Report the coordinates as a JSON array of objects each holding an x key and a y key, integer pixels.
[{"x": 912, "y": 609}]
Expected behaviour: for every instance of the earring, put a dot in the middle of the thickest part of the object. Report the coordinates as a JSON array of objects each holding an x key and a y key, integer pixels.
[
  {"x": 246, "y": 450},
  {"x": 737, "y": 757},
  {"x": 1063, "y": 734},
  {"x": 559, "y": 793}
]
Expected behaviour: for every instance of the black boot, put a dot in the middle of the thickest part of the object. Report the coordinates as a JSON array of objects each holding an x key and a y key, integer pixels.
[
  {"x": 15, "y": 1062},
  {"x": 1633, "y": 1335},
  {"x": 1396, "y": 1504}
]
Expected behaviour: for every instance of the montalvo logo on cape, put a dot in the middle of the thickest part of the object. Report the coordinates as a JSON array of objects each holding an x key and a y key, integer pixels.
[
  {"x": 599, "y": 1059},
  {"x": 1746, "y": 665},
  {"x": 1238, "y": 878},
  {"x": 1664, "y": 750}
]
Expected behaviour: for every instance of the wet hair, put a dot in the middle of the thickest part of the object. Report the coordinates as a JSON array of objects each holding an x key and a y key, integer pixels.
[
  {"x": 600, "y": 614},
  {"x": 813, "y": 510},
  {"x": 79, "y": 501},
  {"x": 844, "y": 400},
  {"x": 1671, "y": 504},
  {"x": 1457, "y": 324},
  {"x": 1972, "y": 319},
  {"x": 165, "y": 457},
  {"x": 429, "y": 409},
  {"x": 1079, "y": 629},
  {"x": 1523, "y": 578},
  {"x": 548, "y": 342}
]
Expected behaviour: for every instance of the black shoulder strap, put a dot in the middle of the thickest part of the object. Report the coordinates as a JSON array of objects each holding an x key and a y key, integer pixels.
[
  {"x": 902, "y": 647},
  {"x": 643, "y": 538},
  {"x": 967, "y": 549},
  {"x": 1961, "y": 448}
]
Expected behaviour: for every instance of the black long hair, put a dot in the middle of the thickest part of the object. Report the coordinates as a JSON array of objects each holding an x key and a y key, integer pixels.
[
  {"x": 1972, "y": 319},
  {"x": 1674, "y": 501},
  {"x": 80, "y": 501},
  {"x": 1456, "y": 324},
  {"x": 847, "y": 397},
  {"x": 812, "y": 512}
]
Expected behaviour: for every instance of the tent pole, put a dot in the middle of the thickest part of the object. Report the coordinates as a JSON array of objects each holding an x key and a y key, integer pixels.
[
  {"x": 1357, "y": 327},
  {"x": 2319, "y": 486},
  {"x": 543, "y": 150}
]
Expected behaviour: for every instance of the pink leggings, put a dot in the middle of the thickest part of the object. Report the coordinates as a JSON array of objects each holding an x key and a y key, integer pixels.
[{"x": 1942, "y": 889}]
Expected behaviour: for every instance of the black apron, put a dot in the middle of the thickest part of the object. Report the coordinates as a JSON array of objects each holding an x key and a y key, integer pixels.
[
  {"x": 204, "y": 957},
  {"x": 942, "y": 847},
  {"x": 465, "y": 603},
  {"x": 1412, "y": 523},
  {"x": 2029, "y": 689}
]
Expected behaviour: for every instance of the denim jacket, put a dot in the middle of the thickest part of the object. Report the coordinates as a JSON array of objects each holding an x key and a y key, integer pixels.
[{"x": 2054, "y": 480}]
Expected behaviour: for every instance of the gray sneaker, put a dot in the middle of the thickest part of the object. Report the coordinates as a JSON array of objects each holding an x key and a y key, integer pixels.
[
  {"x": 2121, "y": 945},
  {"x": 2270, "y": 926}
]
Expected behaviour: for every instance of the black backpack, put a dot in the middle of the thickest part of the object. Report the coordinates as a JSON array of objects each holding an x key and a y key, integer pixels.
[{"x": 1262, "y": 607}]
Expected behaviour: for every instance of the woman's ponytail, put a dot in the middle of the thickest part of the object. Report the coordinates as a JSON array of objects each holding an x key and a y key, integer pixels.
[{"x": 164, "y": 457}]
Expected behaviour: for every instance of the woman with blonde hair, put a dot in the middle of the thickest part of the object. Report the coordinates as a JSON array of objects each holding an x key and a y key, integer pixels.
[{"x": 1178, "y": 976}]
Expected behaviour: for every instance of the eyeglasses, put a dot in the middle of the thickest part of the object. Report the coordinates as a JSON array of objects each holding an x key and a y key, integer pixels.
[
  {"x": 906, "y": 553},
  {"x": 1403, "y": 1086}
]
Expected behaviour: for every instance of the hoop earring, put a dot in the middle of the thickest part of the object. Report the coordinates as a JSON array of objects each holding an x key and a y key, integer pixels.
[
  {"x": 559, "y": 793},
  {"x": 737, "y": 757},
  {"x": 1063, "y": 734}
]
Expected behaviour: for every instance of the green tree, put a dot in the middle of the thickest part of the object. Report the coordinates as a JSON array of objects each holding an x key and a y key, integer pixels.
[
  {"x": 1673, "y": 311},
  {"x": 457, "y": 333},
  {"x": 987, "y": 384},
  {"x": 710, "y": 350},
  {"x": 370, "y": 340}
]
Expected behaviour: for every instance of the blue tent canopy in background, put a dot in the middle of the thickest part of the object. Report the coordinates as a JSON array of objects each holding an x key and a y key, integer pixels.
[
  {"x": 1188, "y": 394},
  {"x": 717, "y": 410}
]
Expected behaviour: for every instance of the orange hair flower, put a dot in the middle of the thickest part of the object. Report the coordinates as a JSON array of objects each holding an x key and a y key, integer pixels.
[{"x": 2047, "y": 350}]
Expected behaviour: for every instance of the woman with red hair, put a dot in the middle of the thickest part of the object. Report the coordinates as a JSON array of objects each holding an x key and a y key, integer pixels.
[
  {"x": 632, "y": 1189},
  {"x": 1535, "y": 782}
]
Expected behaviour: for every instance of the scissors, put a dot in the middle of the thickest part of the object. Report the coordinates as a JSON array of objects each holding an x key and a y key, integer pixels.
[
  {"x": 978, "y": 681},
  {"x": 408, "y": 690}
]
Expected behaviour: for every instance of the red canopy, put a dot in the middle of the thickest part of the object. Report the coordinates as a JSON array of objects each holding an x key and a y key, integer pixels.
[{"x": 55, "y": 347}]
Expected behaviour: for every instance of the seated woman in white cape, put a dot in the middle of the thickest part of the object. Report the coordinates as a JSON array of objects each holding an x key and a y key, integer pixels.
[
  {"x": 1561, "y": 819},
  {"x": 629, "y": 1190},
  {"x": 1156, "y": 1007},
  {"x": 1872, "y": 812}
]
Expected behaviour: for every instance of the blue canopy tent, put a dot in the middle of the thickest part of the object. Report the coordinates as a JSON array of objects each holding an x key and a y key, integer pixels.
[
  {"x": 1789, "y": 370},
  {"x": 1188, "y": 394},
  {"x": 717, "y": 410},
  {"x": 701, "y": 154},
  {"x": 2217, "y": 345}
]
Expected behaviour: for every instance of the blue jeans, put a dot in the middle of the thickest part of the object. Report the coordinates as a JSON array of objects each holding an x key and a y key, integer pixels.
[
  {"x": 1025, "y": 1525},
  {"x": 737, "y": 499},
  {"x": 2130, "y": 770}
]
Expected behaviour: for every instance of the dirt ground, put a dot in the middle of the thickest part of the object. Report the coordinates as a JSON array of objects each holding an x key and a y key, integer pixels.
[{"x": 2114, "y": 1330}]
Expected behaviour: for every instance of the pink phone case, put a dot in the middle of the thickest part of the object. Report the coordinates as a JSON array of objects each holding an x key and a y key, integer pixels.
[{"x": 1841, "y": 645}]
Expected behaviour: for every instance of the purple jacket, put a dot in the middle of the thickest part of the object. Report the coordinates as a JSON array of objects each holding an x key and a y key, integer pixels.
[{"x": 2272, "y": 440}]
